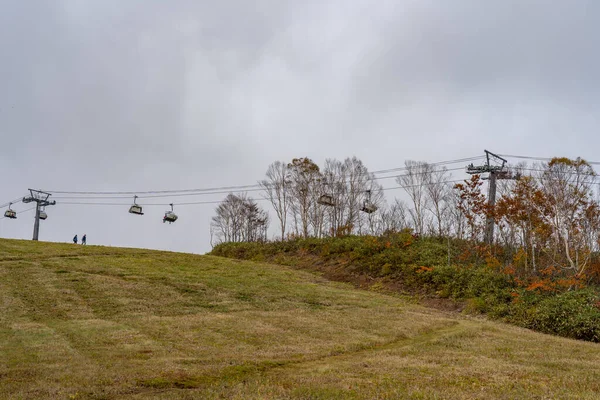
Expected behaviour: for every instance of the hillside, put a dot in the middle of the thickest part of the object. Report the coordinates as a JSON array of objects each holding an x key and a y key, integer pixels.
[{"x": 103, "y": 323}]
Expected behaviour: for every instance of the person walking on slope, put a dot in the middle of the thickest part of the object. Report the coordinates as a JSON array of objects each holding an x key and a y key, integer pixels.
[
  {"x": 83, "y": 239},
  {"x": 75, "y": 239}
]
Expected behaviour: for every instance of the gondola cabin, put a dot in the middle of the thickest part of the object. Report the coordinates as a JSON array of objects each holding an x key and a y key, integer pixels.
[{"x": 43, "y": 215}]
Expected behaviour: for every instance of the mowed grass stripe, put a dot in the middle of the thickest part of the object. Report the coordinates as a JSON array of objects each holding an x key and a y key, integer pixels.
[{"x": 141, "y": 324}]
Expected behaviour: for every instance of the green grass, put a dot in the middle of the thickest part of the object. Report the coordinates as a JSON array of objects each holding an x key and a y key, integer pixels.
[{"x": 104, "y": 323}]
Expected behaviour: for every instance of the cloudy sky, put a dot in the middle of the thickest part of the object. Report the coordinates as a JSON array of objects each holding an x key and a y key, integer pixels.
[{"x": 142, "y": 95}]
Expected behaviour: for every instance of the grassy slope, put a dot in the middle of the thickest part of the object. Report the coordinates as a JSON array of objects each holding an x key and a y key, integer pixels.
[{"x": 95, "y": 322}]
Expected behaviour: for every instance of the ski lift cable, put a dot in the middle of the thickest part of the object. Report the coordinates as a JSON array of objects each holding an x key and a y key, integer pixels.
[
  {"x": 257, "y": 187},
  {"x": 221, "y": 192},
  {"x": 258, "y": 199},
  {"x": 150, "y": 196},
  {"x": 540, "y": 158},
  {"x": 155, "y": 191},
  {"x": 8, "y": 203},
  {"x": 88, "y": 203},
  {"x": 239, "y": 187},
  {"x": 461, "y": 160},
  {"x": 220, "y": 201},
  {"x": 418, "y": 173}
]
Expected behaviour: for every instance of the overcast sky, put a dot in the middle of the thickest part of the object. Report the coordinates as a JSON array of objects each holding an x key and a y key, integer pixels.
[{"x": 129, "y": 95}]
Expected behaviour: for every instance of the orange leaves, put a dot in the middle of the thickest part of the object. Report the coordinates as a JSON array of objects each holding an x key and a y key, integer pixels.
[
  {"x": 407, "y": 240},
  {"x": 465, "y": 255},
  {"x": 567, "y": 283},
  {"x": 492, "y": 262},
  {"x": 509, "y": 270},
  {"x": 520, "y": 256},
  {"x": 554, "y": 285},
  {"x": 516, "y": 297},
  {"x": 542, "y": 285},
  {"x": 472, "y": 204},
  {"x": 549, "y": 271}
]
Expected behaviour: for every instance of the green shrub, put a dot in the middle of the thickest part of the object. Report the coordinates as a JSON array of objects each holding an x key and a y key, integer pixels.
[
  {"x": 573, "y": 314},
  {"x": 476, "y": 305},
  {"x": 431, "y": 253}
]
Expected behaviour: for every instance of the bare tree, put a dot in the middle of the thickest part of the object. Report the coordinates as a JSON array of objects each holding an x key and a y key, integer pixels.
[
  {"x": 348, "y": 183},
  {"x": 569, "y": 204},
  {"x": 334, "y": 185},
  {"x": 393, "y": 218},
  {"x": 256, "y": 222},
  {"x": 457, "y": 220},
  {"x": 357, "y": 183},
  {"x": 317, "y": 214},
  {"x": 227, "y": 222},
  {"x": 239, "y": 219},
  {"x": 414, "y": 182},
  {"x": 373, "y": 196},
  {"x": 275, "y": 189},
  {"x": 438, "y": 190}
]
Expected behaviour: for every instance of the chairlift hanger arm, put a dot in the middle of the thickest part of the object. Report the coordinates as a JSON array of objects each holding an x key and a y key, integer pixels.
[{"x": 489, "y": 153}]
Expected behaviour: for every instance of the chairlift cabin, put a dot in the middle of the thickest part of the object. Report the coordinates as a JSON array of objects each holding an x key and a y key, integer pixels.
[
  {"x": 43, "y": 215},
  {"x": 326, "y": 200},
  {"x": 135, "y": 208},
  {"x": 170, "y": 216},
  {"x": 368, "y": 207},
  {"x": 10, "y": 213}
]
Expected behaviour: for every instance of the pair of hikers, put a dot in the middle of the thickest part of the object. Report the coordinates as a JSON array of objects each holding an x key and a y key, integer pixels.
[{"x": 83, "y": 239}]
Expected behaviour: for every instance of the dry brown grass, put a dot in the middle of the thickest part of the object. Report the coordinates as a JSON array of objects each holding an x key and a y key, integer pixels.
[{"x": 104, "y": 323}]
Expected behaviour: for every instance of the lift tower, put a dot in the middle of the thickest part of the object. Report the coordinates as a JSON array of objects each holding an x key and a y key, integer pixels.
[
  {"x": 496, "y": 172},
  {"x": 41, "y": 199}
]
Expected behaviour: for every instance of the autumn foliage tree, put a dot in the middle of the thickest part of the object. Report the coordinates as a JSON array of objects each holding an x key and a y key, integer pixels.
[
  {"x": 305, "y": 178},
  {"x": 553, "y": 219},
  {"x": 521, "y": 213},
  {"x": 472, "y": 204}
]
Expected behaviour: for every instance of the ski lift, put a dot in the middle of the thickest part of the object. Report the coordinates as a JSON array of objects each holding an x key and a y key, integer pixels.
[
  {"x": 10, "y": 213},
  {"x": 170, "y": 216},
  {"x": 135, "y": 208},
  {"x": 368, "y": 207},
  {"x": 326, "y": 199},
  {"x": 43, "y": 214}
]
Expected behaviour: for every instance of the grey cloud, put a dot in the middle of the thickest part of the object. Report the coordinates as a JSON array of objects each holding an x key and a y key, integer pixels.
[{"x": 138, "y": 95}]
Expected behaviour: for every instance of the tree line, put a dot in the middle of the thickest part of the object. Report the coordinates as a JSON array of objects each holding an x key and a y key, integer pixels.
[{"x": 548, "y": 218}]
